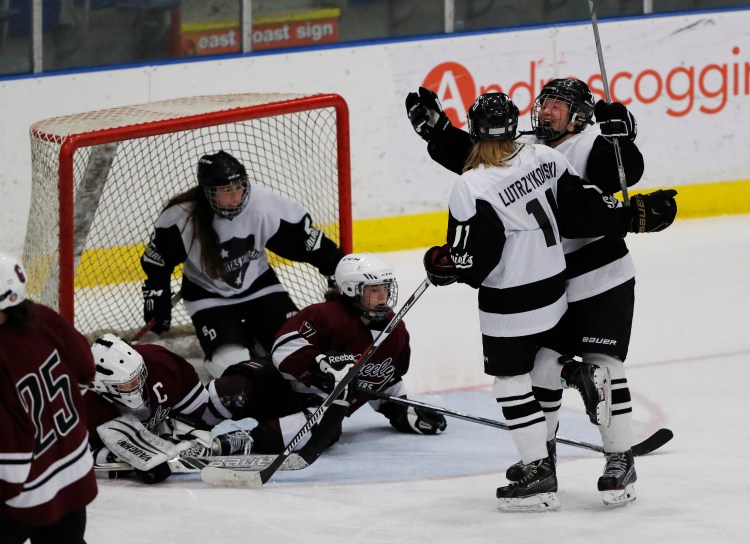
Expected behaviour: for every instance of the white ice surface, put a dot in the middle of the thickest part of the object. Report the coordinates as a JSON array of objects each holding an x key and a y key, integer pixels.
[{"x": 688, "y": 371}]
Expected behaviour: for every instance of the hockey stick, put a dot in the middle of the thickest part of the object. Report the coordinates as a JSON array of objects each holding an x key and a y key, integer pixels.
[
  {"x": 257, "y": 479},
  {"x": 653, "y": 442},
  {"x": 177, "y": 297},
  {"x": 608, "y": 98}
]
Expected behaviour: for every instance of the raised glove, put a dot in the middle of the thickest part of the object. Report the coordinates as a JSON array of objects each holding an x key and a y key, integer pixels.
[
  {"x": 157, "y": 305},
  {"x": 408, "y": 419},
  {"x": 425, "y": 113},
  {"x": 332, "y": 369},
  {"x": 652, "y": 212},
  {"x": 439, "y": 267},
  {"x": 615, "y": 121}
]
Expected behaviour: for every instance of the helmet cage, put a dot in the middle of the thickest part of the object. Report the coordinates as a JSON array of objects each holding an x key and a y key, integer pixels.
[
  {"x": 576, "y": 95},
  {"x": 380, "y": 311},
  {"x": 129, "y": 392},
  {"x": 212, "y": 195}
]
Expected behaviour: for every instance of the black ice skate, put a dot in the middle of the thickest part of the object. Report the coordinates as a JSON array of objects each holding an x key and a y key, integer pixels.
[
  {"x": 516, "y": 472},
  {"x": 535, "y": 492},
  {"x": 593, "y": 383},
  {"x": 616, "y": 484}
]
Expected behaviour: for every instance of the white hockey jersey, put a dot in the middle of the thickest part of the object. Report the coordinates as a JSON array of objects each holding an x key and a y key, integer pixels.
[
  {"x": 268, "y": 220},
  {"x": 505, "y": 238}
]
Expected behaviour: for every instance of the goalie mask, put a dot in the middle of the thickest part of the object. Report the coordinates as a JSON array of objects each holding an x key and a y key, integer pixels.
[
  {"x": 571, "y": 93},
  {"x": 120, "y": 372},
  {"x": 369, "y": 282},
  {"x": 493, "y": 116},
  {"x": 224, "y": 182},
  {"x": 12, "y": 281}
]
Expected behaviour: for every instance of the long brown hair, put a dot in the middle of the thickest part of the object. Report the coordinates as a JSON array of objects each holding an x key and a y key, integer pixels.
[
  {"x": 490, "y": 153},
  {"x": 202, "y": 217},
  {"x": 20, "y": 315}
]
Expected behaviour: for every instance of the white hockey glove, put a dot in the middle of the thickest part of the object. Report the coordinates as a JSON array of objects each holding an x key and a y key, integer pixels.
[{"x": 332, "y": 369}]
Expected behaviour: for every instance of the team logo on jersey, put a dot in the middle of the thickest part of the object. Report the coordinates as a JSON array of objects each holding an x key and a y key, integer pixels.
[
  {"x": 377, "y": 373},
  {"x": 611, "y": 201},
  {"x": 463, "y": 260},
  {"x": 237, "y": 254},
  {"x": 160, "y": 415}
]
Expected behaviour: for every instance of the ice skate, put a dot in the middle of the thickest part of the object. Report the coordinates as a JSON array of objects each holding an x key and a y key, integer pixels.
[
  {"x": 516, "y": 472},
  {"x": 535, "y": 492},
  {"x": 593, "y": 383},
  {"x": 616, "y": 484}
]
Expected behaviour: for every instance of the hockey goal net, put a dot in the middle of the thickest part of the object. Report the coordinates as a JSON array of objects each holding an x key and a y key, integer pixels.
[{"x": 101, "y": 178}]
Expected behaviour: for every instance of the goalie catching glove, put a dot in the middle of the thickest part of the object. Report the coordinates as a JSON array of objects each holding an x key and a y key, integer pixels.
[
  {"x": 409, "y": 419},
  {"x": 652, "y": 212},
  {"x": 425, "y": 113},
  {"x": 332, "y": 369}
]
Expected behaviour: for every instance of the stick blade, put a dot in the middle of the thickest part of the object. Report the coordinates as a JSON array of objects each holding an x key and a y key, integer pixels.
[
  {"x": 653, "y": 442},
  {"x": 226, "y": 477}
]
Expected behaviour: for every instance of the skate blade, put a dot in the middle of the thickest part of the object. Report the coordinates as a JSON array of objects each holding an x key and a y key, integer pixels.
[
  {"x": 541, "y": 502},
  {"x": 604, "y": 388},
  {"x": 619, "y": 497}
]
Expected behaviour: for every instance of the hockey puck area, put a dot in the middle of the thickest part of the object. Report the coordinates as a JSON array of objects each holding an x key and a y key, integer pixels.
[{"x": 371, "y": 451}]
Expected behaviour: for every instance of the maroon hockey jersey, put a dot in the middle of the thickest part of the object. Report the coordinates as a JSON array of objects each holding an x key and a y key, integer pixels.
[
  {"x": 172, "y": 386},
  {"x": 45, "y": 465},
  {"x": 332, "y": 327}
]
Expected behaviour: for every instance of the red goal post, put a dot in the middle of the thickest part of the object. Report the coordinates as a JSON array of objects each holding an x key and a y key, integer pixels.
[{"x": 101, "y": 178}]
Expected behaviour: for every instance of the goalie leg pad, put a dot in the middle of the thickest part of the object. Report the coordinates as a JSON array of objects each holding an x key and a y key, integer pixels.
[{"x": 129, "y": 440}]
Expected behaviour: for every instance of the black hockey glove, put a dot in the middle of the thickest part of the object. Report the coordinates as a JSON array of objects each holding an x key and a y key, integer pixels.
[
  {"x": 155, "y": 475},
  {"x": 652, "y": 212},
  {"x": 157, "y": 305},
  {"x": 425, "y": 113},
  {"x": 332, "y": 367},
  {"x": 408, "y": 419},
  {"x": 439, "y": 267},
  {"x": 615, "y": 121}
]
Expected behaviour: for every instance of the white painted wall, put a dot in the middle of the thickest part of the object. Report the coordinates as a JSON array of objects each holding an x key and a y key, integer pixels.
[{"x": 685, "y": 78}]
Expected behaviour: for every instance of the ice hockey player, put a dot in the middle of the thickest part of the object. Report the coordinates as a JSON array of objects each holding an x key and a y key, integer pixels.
[
  {"x": 313, "y": 350},
  {"x": 46, "y": 476},
  {"x": 504, "y": 239},
  {"x": 221, "y": 229},
  {"x": 162, "y": 392},
  {"x": 600, "y": 276}
]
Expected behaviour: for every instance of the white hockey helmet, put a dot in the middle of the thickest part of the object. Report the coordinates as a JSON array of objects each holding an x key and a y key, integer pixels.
[
  {"x": 12, "y": 281},
  {"x": 357, "y": 270},
  {"x": 120, "y": 371}
]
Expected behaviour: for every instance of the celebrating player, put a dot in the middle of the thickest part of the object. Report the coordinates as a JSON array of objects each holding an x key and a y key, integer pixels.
[
  {"x": 600, "y": 276},
  {"x": 507, "y": 213},
  {"x": 314, "y": 350},
  {"x": 156, "y": 386},
  {"x": 220, "y": 230},
  {"x": 46, "y": 476}
]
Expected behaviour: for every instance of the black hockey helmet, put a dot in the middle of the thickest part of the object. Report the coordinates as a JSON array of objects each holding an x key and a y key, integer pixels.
[
  {"x": 493, "y": 116},
  {"x": 220, "y": 170},
  {"x": 576, "y": 94}
]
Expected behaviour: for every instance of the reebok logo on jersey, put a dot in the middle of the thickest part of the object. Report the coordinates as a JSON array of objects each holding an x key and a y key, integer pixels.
[{"x": 604, "y": 341}]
